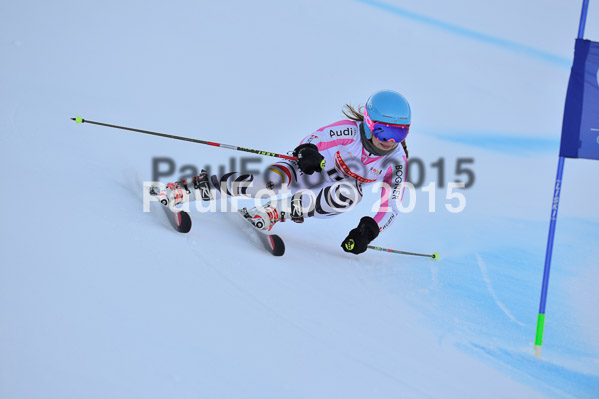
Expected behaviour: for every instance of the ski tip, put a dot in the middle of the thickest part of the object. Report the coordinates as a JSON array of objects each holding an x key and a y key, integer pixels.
[
  {"x": 435, "y": 255},
  {"x": 277, "y": 245},
  {"x": 78, "y": 119}
]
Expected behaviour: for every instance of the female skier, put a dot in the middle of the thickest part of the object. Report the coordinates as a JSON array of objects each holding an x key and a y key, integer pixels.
[{"x": 333, "y": 165}]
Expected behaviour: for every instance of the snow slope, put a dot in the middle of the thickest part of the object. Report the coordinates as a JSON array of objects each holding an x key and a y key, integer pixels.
[{"x": 99, "y": 299}]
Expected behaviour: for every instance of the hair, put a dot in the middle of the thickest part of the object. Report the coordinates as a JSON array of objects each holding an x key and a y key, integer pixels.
[{"x": 357, "y": 115}]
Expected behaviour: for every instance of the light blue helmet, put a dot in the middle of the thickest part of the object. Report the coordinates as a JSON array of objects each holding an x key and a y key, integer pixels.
[{"x": 388, "y": 107}]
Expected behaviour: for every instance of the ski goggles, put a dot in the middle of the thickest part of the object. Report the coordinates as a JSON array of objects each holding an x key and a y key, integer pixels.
[{"x": 387, "y": 131}]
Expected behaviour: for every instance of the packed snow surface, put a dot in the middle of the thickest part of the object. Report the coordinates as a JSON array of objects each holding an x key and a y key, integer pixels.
[{"x": 101, "y": 300}]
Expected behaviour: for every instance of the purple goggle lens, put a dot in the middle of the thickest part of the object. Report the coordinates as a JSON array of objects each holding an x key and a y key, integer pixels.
[{"x": 388, "y": 132}]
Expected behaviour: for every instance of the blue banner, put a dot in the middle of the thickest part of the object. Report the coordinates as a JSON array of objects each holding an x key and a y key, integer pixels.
[{"x": 580, "y": 130}]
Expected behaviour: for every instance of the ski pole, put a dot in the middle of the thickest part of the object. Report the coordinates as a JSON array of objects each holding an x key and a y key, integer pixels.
[
  {"x": 79, "y": 119},
  {"x": 434, "y": 255}
]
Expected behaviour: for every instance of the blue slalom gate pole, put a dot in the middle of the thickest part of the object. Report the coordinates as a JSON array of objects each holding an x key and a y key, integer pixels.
[
  {"x": 583, "y": 19},
  {"x": 552, "y": 223},
  {"x": 548, "y": 253}
]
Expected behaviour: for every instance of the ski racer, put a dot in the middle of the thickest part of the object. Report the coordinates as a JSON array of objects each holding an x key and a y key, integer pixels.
[{"x": 334, "y": 164}]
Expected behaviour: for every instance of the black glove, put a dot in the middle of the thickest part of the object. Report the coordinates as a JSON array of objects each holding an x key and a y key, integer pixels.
[
  {"x": 309, "y": 159},
  {"x": 358, "y": 239}
]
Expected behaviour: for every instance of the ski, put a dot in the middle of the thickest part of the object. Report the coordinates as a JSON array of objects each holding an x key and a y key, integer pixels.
[
  {"x": 271, "y": 242},
  {"x": 179, "y": 220}
]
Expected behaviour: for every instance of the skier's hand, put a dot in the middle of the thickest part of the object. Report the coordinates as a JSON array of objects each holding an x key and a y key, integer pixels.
[
  {"x": 309, "y": 159},
  {"x": 358, "y": 239}
]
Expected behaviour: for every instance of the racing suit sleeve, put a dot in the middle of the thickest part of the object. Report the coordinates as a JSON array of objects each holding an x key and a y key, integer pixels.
[
  {"x": 392, "y": 193},
  {"x": 340, "y": 133}
]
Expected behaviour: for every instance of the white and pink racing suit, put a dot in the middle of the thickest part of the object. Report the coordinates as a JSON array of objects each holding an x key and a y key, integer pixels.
[{"x": 348, "y": 165}]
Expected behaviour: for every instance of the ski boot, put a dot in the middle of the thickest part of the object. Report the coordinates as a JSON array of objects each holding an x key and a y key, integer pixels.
[
  {"x": 263, "y": 217},
  {"x": 173, "y": 192}
]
